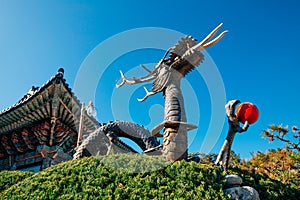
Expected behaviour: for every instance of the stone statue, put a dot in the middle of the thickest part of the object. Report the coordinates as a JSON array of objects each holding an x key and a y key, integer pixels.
[
  {"x": 234, "y": 127},
  {"x": 166, "y": 77}
]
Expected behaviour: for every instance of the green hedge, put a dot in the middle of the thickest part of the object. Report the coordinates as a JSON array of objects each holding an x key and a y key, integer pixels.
[
  {"x": 267, "y": 187},
  {"x": 10, "y": 178},
  {"x": 112, "y": 177}
]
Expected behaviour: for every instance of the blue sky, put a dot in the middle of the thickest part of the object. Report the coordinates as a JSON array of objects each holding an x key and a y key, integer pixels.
[{"x": 257, "y": 59}]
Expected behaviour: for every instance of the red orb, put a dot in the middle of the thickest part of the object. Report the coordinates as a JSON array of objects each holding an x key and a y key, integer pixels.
[{"x": 247, "y": 112}]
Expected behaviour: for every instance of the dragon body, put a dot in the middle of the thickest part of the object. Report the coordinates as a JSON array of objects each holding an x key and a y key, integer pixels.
[
  {"x": 111, "y": 132},
  {"x": 179, "y": 60}
]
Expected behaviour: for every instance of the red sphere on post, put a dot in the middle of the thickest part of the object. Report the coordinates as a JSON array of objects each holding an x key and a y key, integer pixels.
[{"x": 247, "y": 112}]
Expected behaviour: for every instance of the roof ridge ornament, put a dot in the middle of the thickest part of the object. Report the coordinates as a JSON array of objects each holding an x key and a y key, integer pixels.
[
  {"x": 59, "y": 75},
  {"x": 61, "y": 70}
]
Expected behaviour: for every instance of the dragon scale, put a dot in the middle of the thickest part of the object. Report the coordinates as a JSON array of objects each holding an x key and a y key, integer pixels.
[{"x": 175, "y": 136}]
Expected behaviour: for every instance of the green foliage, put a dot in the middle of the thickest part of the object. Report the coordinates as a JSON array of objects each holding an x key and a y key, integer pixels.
[
  {"x": 205, "y": 158},
  {"x": 9, "y": 178},
  {"x": 114, "y": 177},
  {"x": 235, "y": 159},
  {"x": 278, "y": 132},
  {"x": 133, "y": 163},
  {"x": 281, "y": 165},
  {"x": 267, "y": 187}
]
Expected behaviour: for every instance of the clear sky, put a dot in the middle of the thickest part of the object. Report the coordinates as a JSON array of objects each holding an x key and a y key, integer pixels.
[{"x": 258, "y": 60}]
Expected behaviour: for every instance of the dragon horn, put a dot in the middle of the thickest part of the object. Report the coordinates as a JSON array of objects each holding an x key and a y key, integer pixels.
[
  {"x": 204, "y": 43},
  {"x": 214, "y": 41}
]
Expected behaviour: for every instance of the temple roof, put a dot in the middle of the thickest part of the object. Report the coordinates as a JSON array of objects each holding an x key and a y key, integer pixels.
[
  {"x": 48, "y": 115},
  {"x": 37, "y": 105}
]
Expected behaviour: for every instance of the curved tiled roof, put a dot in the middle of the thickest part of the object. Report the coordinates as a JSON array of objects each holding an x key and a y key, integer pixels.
[
  {"x": 12, "y": 114},
  {"x": 46, "y": 115},
  {"x": 28, "y": 97}
]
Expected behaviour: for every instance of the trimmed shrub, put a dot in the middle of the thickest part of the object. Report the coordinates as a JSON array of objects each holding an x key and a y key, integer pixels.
[
  {"x": 114, "y": 177},
  {"x": 9, "y": 178}
]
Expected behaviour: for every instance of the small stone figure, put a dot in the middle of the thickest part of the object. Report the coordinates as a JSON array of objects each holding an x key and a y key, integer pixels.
[
  {"x": 31, "y": 92},
  {"x": 234, "y": 127}
]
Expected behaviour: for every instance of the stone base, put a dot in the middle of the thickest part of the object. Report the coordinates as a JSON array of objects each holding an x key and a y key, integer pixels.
[
  {"x": 233, "y": 180},
  {"x": 243, "y": 193},
  {"x": 238, "y": 192}
]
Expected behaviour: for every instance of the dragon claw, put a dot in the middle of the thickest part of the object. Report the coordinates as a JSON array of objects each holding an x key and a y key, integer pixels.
[{"x": 230, "y": 107}]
